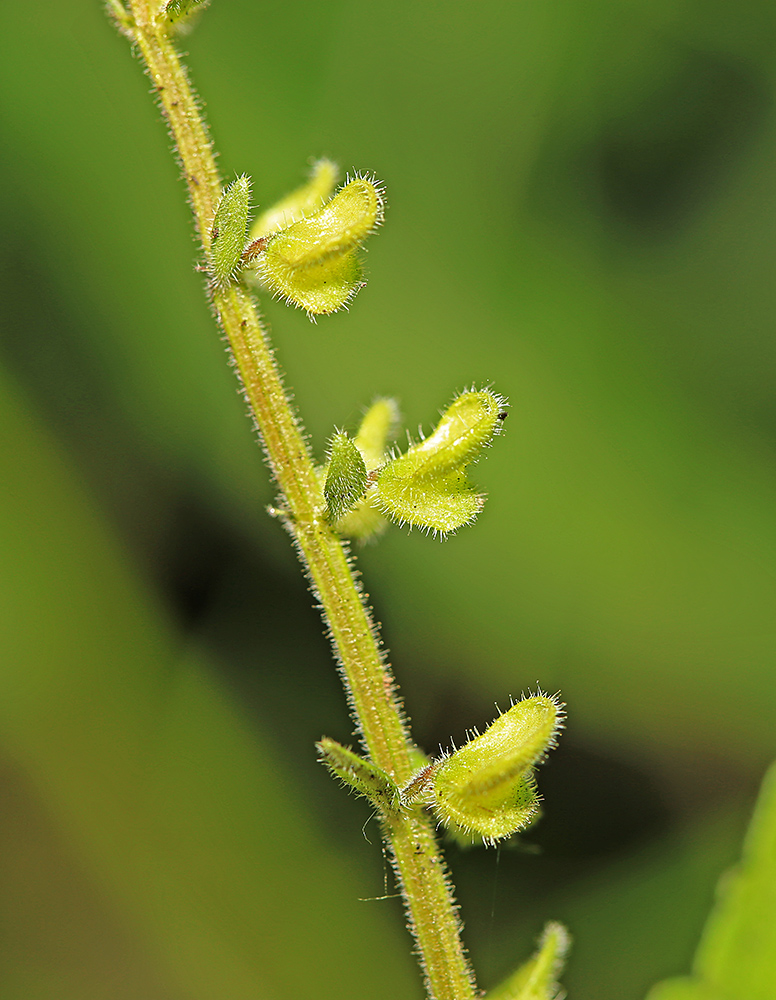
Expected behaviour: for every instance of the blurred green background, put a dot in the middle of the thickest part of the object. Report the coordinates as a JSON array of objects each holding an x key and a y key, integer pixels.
[{"x": 582, "y": 212}]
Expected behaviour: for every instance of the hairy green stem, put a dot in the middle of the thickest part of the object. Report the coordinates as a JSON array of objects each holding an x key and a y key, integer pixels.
[{"x": 367, "y": 678}]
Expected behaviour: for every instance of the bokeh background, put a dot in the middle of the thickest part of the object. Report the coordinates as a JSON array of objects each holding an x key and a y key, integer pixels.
[{"x": 582, "y": 212}]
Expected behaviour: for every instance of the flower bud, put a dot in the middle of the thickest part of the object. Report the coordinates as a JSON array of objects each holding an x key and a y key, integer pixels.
[
  {"x": 487, "y": 787},
  {"x": 428, "y": 486},
  {"x": 465, "y": 428},
  {"x": 376, "y": 430},
  {"x": 300, "y": 203},
  {"x": 314, "y": 262}
]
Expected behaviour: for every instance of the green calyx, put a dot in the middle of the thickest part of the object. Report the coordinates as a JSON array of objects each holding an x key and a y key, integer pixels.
[
  {"x": 314, "y": 263},
  {"x": 362, "y": 519},
  {"x": 177, "y": 12},
  {"x": 228, "y": 231},
  {"x": 487, "y": 787},
  {"x": 427, "y": 487},
  {"x": 362, "y": 776},
  {"x": 346, "y": 478}
]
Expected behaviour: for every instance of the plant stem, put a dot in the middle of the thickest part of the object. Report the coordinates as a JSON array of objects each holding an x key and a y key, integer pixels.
[{"x": 367, "y": 678}]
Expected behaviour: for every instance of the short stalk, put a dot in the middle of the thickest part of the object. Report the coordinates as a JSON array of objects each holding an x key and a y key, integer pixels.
[{"x": 367, "y": 678}]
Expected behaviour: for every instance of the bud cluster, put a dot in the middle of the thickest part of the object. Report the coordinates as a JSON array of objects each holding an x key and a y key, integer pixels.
[
  {"x": 306, "y": 248},
  {"x": 427, "y": 486},
  {"x": 314, "y": 263}
]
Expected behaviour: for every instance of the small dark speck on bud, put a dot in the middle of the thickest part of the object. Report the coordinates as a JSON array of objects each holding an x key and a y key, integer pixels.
[{"x": 503, "y": 415}]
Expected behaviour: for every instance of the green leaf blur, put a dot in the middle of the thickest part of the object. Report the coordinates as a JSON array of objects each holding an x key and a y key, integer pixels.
[{"x": 737, "y": 955}]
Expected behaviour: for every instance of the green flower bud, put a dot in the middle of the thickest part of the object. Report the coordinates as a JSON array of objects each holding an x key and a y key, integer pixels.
[
  {"x": 428, "y": 486},
  {"x": 228, "y": 232},
  {"x": 487, "y": 787},
  {"x": 345, "y": 477},
  {"x": 300, "y": 203},
  {"x": 376, "y": 430},
  {"x": 441, "y": 504},
  {"x": 314, "y": 263},
  {"x": 466, "y": 427}
]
